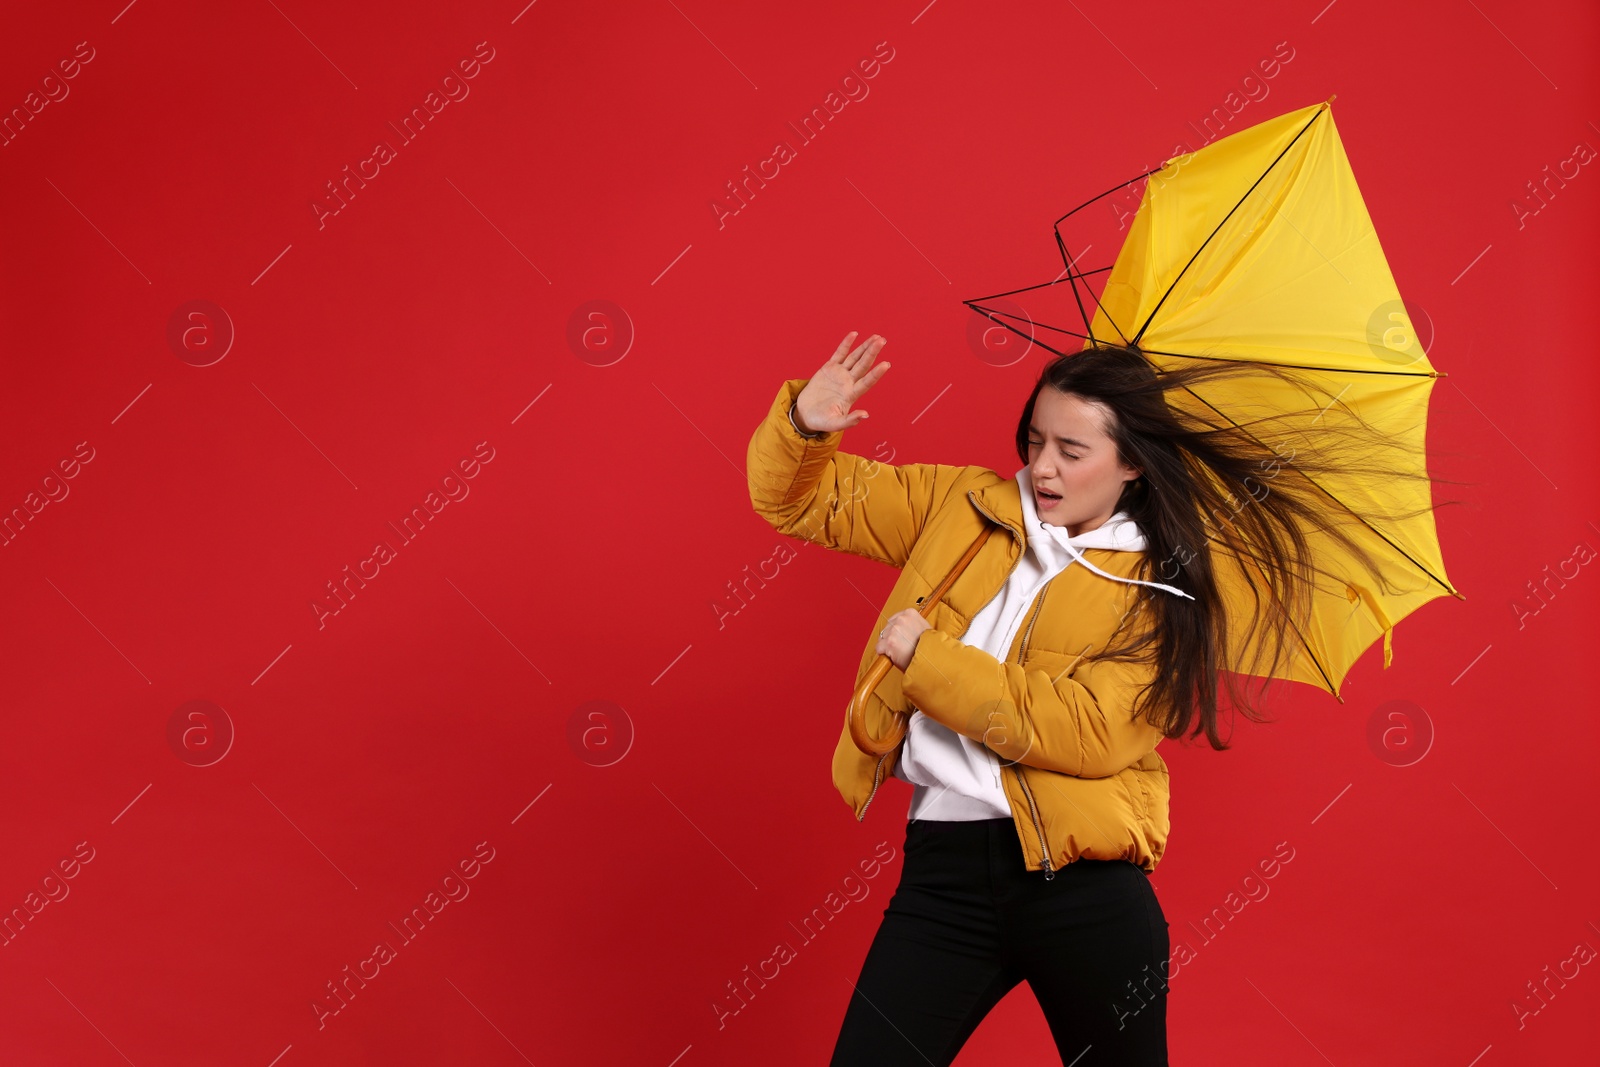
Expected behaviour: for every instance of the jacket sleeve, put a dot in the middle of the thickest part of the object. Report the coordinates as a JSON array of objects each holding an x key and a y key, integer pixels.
[
  {"x": 1080, "y": 723},
  {"x": 806, "y": 488}
]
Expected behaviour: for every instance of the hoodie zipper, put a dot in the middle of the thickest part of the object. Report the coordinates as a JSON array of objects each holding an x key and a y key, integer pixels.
[{"x": 877, "y": 771}]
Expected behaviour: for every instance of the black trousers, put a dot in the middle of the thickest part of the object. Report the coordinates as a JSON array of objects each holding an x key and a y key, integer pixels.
[{"x": 968, "y": 922}]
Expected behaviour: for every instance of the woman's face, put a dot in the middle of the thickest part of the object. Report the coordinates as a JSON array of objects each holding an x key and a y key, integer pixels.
[{"x": 1069, "y": 453}]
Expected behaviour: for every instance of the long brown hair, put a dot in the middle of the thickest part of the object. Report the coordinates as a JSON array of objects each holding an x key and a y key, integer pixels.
[{"x": 1199, "y": 465}]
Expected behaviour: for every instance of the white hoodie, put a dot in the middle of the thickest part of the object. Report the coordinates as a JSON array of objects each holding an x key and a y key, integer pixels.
[{"x": 956, "y": 778}]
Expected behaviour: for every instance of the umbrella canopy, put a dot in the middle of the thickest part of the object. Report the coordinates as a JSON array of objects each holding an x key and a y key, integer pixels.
[{"x": 1258, "y": 248}]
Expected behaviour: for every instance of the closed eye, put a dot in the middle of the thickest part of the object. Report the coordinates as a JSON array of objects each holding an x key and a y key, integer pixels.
[{"x": 1040, "y": 444}]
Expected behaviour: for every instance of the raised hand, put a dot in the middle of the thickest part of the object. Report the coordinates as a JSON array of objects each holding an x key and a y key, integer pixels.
[{"x": 824, "y": 405}]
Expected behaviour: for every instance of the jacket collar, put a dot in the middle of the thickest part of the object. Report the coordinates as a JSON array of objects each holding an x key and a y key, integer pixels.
[{"x": 1010, "y": 503}]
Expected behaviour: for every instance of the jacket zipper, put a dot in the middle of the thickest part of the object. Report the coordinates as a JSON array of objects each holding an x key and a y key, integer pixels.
[
  {"x": 1037, "y": 607},
  {"x": 1044, "y": 847},
  {"x": 875, "y": 772},
  {"x": 878, "y": 770},
  {"x": 1038, "y": 824}
]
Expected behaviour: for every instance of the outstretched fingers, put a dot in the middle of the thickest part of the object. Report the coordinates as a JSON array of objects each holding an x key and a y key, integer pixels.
[
  {"x": 868, "y": 380},
  {"x": 844, "y": 346}
]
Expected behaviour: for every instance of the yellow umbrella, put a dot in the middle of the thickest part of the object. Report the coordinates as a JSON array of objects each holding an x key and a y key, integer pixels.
[{"x": 1258, "y": 248}]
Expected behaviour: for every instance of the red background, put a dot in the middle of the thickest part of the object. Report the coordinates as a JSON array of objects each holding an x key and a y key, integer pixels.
[{"x": 592, "y": 558}]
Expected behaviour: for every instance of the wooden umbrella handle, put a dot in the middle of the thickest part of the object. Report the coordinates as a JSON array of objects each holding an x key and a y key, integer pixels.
[{"x": 856, "y": 716}]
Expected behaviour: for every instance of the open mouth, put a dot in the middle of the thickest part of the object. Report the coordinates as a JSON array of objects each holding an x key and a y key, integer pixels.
[{"x": 1046, "y": 499}]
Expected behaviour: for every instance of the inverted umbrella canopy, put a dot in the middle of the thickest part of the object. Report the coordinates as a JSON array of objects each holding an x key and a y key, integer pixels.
[{"x": 1258, "y": 248}]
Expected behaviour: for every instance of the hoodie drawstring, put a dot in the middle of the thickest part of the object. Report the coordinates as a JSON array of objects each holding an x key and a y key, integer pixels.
[{"x": 1070, "y": 547}]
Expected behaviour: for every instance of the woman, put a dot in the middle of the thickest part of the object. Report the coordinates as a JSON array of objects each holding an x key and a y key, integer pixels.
[{"x": 1039, "y": 803}]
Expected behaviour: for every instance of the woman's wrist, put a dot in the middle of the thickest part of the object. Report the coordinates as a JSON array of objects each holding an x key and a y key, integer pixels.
[{"x": 793, "y": 421}]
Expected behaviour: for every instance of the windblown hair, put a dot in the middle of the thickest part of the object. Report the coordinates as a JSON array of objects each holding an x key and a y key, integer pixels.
[{"x": 1212, "y": 484}]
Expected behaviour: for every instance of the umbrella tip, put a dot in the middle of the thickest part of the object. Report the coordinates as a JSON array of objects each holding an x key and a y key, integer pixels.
[{"x": 1332, "y": 98}]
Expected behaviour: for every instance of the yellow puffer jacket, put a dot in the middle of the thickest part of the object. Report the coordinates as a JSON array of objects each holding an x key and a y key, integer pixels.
[{"x": 1086, "y": 779}]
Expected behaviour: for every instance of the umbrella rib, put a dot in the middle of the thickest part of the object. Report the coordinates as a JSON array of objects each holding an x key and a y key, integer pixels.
[
  {"x": 1290, "y": 366},
  {"x": 1088, "y": 324},
  {"x": 1108, "y": 192},
  {"x": 991, "y": 312},
  {"x": 1224, "y": 220},
  {"x": 990, "y": 315},
  {"x": 1066, "y": 259},
  {"x": 974, "y": 304},
  {"x": 1361, "y": 518},
  {"x": 1031, "y": 288}
]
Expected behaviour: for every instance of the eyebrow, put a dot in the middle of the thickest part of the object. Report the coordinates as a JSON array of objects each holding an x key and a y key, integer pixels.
[{"x": 1064, "y": 440}]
